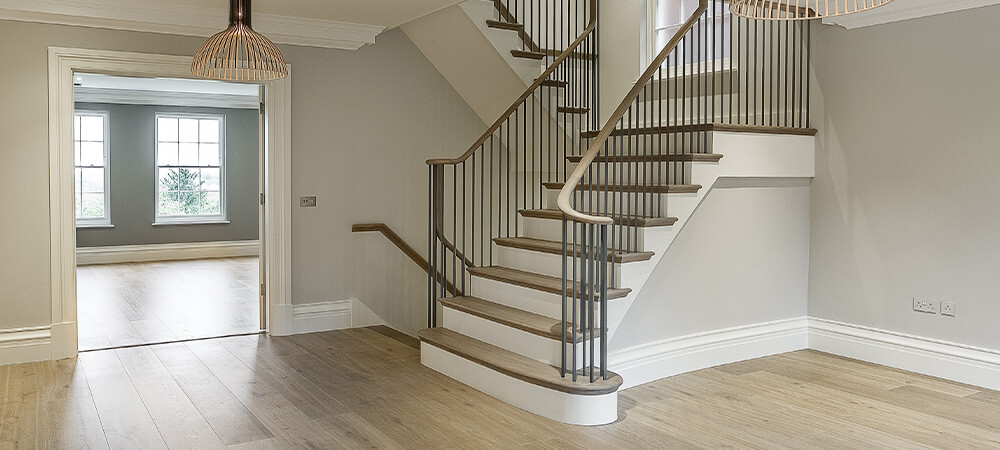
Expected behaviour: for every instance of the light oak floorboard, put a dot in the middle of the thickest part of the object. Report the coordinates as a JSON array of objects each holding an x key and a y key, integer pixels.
[
  {"x": 365, "y": 388},
  {"x": 154, "y": 302}
]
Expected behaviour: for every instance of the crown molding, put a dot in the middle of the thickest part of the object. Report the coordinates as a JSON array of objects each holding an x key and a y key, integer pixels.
[
  {"x": 187, "y": 21},
  {"x": 160, "y": 98},
  {"x": 905, "y": 10}
]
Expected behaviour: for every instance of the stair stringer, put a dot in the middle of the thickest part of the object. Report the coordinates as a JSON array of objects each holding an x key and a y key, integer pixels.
[{"x": 746, "y": 155}]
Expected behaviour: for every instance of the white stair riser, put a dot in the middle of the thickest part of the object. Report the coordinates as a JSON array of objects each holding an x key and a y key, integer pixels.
[
  {"x": 527, "y": 299},
  {"x": 631, "y": 173},
  {"x": 641, "y": 204},
  {"x": 556, "y": 405},
  {"x": 521, "y": 342},
  {"x": 551, "y": 265},
  {"x": 551, "y": 230}
]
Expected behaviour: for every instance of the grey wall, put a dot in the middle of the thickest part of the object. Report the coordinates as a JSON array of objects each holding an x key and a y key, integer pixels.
[
  {"x": 363, "y": 122},
  {"x": 904, "y": 202},
  {"x": 132, "y": 187},
  {"x": 742, "y": 259}
]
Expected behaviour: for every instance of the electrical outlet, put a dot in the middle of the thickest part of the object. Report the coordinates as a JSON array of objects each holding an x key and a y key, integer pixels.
[
  {"x": 925, "y": 306},
  {"x": 307, "y": 202},
  {"x": 948, "y": 309}
]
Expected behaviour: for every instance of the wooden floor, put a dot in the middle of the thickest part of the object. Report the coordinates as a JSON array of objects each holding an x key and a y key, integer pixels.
[
  {"x": 365, "y": 388},
  {"x": 142, "y": 303}
]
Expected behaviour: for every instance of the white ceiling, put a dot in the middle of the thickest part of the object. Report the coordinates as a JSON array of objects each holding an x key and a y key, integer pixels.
[{"x": 386, "y": 13}]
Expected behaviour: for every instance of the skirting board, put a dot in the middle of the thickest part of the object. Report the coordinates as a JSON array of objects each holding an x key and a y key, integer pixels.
[
  {"x": 650, "y": 362},
  {"x": 166, "y": 252},
  {"x": 951, "y": 361},
  {"x": 948, "y": 360},
  {"x": 25, "y": 345},
  {"x": 329, "y": 316}
]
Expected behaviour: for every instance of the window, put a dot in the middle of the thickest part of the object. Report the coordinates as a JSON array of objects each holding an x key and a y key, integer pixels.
[
  {"x": 90, "y": 147},
  {"x": 190, "y": 171},
  {"x": 665, "y": 17}
]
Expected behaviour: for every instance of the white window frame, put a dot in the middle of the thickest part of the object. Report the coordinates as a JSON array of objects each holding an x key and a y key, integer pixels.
[
  {"x": 649, "y": 42},
  {"x": 96, "y": 222},
  {"x": 192, "y": 219}
]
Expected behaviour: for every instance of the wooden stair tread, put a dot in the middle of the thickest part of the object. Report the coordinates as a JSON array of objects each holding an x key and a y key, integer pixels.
[
  {"x": 556, "y": 248},
  {"x": 520, "y": 319},
  {"x": 554, "y": 83},
  {"x": 515, "y": 365},
  {"x": 653, "y": 189},
  {"x": 505, "y": 25},
  {"x": 705, "y": 127},
  {"x": 527, "y": 54},
  {"x": 576, "y": 55},
  {"x": 642, "y": 222},
  {"x": 686, "y": 157},
  {"x": 572, "y": 110},
  {"x": 538, "y": 282}
]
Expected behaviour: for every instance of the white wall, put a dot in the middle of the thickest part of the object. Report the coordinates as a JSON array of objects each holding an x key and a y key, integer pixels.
[
  {"x": 904, "y": 202},
  {"x": 741, "y": 259},
  {"x": 362, "y": 124}
]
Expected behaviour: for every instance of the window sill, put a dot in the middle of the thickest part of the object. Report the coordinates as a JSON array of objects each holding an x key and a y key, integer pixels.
[
  {"x": 165, "y": 223},
  {"x": 94, "y": 226}
]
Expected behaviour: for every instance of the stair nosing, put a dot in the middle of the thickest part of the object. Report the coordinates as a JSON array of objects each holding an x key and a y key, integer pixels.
[
  {"x": 439, "y": 337},
  {"x": 728, "y": 127}
]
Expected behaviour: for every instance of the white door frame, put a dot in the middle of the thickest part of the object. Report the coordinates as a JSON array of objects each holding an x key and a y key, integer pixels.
[{"x": 63, "y": 62}]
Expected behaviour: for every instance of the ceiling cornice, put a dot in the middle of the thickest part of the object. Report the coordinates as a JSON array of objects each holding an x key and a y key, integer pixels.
[
  {"x": 905, "y": 10},
  {"x": 187, "y": 21}
]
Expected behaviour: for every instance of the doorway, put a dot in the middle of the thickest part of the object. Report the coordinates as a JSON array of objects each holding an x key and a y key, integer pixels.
[
  {"x": 275, "y": 223},
  {"x": 168, "y": 218}
]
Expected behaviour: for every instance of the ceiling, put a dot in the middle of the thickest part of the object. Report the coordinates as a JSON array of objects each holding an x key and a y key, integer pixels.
[
  {"x": 188, "y": 86},
  {"x": 386, "y": 13}
]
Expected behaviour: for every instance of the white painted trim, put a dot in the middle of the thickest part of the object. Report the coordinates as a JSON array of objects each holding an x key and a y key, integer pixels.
[
  {"x": 166, "y": 252},
  {"x": 905, "y": 10},
  {"x": 958, "y": 362},
  {"x": 160, "y": 98},
  {"x": 63, "y": 62},
  {"x": 25, "y": 345},
  {"x": 650, "y": 362},
  {"x": 187, "y": 20},
  {"x": 328, "y": 316}
]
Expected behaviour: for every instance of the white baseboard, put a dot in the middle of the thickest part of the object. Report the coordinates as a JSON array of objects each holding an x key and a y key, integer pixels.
[
  {"x": 957, "y": 362},
  {"x": 329, "y": 316},
  {"x": 23, "y": 345},
  {"x": 166, "y": 252},
  {"x": 650, "y": 362}
]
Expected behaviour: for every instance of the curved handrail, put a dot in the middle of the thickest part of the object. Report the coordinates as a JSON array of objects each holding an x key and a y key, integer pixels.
[
  {"x": 591, "y": 25},
  {"x": 597, "y": 144}
]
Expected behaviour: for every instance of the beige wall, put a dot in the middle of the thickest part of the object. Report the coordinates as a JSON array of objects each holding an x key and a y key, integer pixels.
[
  {"x": 742, "y": 259},
  {"x": 362, "y": 124},
  {"x": 904, "y": 202}
]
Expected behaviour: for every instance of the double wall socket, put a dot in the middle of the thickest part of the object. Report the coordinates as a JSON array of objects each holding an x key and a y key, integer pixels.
[{"x": 931, "y": 306}]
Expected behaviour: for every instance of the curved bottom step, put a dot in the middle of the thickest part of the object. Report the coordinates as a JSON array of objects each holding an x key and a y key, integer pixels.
[{"x": 516, "y": 379}]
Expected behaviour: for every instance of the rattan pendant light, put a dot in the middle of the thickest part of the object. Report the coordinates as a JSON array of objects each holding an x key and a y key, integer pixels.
[
  {"x": 239, "y": 53},
  {"x": 800, "y": 9}
]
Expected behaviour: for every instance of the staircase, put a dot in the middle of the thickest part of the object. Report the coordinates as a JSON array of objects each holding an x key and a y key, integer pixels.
[{"x": 542, "y": 234}]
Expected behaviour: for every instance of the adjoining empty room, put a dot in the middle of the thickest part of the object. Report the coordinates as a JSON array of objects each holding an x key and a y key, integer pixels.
[{"x": 167, "y": 210}]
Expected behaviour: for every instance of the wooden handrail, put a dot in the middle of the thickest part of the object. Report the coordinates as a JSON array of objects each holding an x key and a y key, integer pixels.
[
  {"x": 591, "y": 25},
  {"x": 403, "y": 246},
  {"x": 598, "y": 143}
]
